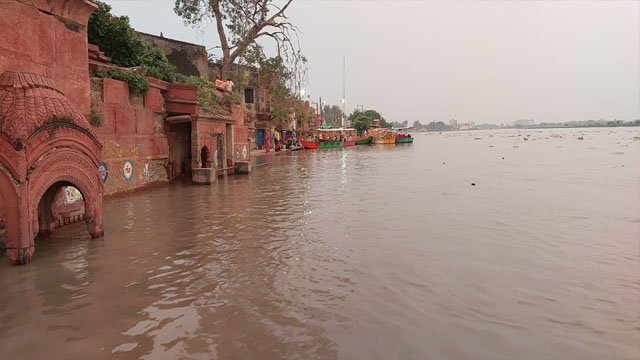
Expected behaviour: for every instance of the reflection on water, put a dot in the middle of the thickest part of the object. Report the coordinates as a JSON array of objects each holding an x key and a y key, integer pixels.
[{"x": 363, "y": 253}]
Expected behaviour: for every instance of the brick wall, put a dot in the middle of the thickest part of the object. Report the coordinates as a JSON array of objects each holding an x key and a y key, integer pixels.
[{"x": 133, "y": 133}]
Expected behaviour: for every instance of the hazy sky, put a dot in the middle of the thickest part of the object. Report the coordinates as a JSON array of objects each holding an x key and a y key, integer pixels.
[{"x": 485, "y": 61}]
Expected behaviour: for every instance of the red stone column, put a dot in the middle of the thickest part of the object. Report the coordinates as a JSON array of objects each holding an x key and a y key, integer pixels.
[
  {"x": 93, "y": 217},
  {"x": 23, "y": 247}
]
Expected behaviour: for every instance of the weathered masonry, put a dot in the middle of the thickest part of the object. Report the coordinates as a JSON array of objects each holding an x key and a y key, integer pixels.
[
  {"x": 46, "y": 142},
  {"x": 56, "y": 166}
]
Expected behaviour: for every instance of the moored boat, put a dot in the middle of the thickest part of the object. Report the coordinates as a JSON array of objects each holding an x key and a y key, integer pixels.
[
  {"x": 309, "y": 144},
  {"x": 330, "y": 144},
  {"x": 383, "y": 136},
  {"x": 363, "y": 140},
  {"x": 328, "y": 138},
  {"x": 321, "y": 144},
  {"x": 402, "y": 137}
]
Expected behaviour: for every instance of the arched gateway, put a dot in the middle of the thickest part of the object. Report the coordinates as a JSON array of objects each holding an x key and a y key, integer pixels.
[{"x": 45, "y": 144}]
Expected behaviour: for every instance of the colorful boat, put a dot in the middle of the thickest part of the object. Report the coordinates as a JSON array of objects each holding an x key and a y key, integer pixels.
[
  {"x": 328, "y": 138},
  {"x": 321, "y": 144},
  {"x": 404, "y": 139},
  {"x": 402, "y": 136},
  {"x": 383, "y": 136},
  {"x": 363, "y": 140},
  {"x": 310, "y": 144}
]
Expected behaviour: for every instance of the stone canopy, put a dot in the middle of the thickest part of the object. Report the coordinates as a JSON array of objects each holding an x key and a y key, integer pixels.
[{"x": 30, "y": 103}]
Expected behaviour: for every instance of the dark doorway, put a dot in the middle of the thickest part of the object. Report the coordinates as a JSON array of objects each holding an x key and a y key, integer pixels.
[
  {"x": 260, "y": 138},
  {"x": 180, "y": 149}
]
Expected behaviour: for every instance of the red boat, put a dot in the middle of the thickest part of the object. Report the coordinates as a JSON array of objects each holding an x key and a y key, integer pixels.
[{"x": 309, "y": 144}]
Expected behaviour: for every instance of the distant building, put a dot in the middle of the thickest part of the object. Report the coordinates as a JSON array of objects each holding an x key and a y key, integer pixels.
[{"x": 454, "y": 124}]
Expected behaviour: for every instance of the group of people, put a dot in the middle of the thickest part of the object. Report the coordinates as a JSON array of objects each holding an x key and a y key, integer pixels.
[
  {"x": 339, "y": 137},
  {"x": 287, "y": 141}
]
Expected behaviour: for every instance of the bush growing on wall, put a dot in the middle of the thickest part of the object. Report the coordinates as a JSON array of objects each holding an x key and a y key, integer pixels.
[
  {"x": 117, "y": 39},
  {"x": 96, "y": 119},
  {"x": 138, "y": 84}
]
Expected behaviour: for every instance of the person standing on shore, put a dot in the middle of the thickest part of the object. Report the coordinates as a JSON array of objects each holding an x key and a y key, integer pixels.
[
  {"x": 276, "y": 138},
  {"x": 267, "y": 141}
]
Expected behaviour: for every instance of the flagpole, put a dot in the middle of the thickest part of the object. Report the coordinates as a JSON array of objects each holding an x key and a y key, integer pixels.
[{"x": 344, "y": 99}]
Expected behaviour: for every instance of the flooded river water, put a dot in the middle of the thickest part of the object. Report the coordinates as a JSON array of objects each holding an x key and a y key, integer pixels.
[{"x": 364, "y": 253}]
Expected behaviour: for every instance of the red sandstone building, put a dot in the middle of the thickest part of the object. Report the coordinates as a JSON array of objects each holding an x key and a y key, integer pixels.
[{"x": 48, "y": 144}]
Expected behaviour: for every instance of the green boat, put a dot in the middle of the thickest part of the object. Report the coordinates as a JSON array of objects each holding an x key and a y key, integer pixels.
[
  {"x": 316, "y": 144},
  {"x": 402, "y": 136},
  {"x": 364, "y": 140},
  {"x": 330, "y": 144},
  {"x": 405, "y": 140}
]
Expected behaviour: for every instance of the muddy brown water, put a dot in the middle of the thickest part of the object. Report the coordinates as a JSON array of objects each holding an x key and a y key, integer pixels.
[{"x": 363, "y": 253}]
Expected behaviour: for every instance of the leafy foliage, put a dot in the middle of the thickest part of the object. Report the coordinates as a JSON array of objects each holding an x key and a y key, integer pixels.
[
  {"x": 240, "y": 23},
  {"x": 398, "y": 124},
  {"x": 96, "y": 119},
  {"x": 362, "y": 120},
  {"x": 333, "y": 115},
  {"x": 190, "y": 79},
  {"x": 138, "y": 84},
  {"x": 283, "y": 101},
  {"x": 117, "y": 39}
]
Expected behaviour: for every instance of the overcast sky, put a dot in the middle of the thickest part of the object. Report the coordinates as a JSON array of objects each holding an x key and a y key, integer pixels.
[{"x": 488, "y": 61}]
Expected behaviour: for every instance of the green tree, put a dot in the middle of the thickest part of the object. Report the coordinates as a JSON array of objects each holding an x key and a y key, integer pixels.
[
  {"x": 282, "y": 105},
  {"x": 117, "y": 39},
  {"x": 437, "y": 126},
  {"x": 333, "y": 114},
  {"x": 371, "y": 116},
  {"x": 360, "y": 122},
  {"x": 240, "y": 23}
]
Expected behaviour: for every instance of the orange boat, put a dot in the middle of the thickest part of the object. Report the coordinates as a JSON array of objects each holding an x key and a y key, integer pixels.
[{"x": 383, "y": 136}]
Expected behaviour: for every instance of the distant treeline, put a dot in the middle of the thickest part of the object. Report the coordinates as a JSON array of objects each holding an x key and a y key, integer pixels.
[
  {"x": 441, "y": 126},
  {"x": 587, "y": 123}
]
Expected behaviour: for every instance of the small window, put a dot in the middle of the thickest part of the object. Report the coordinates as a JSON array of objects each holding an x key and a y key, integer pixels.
[{"x": 248, "y": 95}]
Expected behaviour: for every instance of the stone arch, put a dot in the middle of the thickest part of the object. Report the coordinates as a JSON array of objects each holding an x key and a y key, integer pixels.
[
  {"x": 66, "y": 166},
  {"x": 48, "y": 219},
  {"x": 44, "y": 142}
]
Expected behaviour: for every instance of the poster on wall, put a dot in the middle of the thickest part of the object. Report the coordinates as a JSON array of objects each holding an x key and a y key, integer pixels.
[
  {"x": 244, "y": 152},
  {"x": 127, "y": 170},
  {"x": 104, "y": 172}
]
